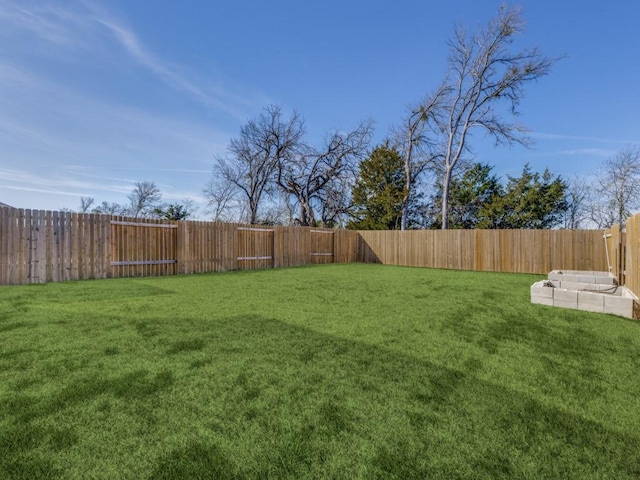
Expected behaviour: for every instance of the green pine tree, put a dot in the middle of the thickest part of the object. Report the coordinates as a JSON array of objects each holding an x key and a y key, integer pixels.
[{"x": 378, "y": 192}]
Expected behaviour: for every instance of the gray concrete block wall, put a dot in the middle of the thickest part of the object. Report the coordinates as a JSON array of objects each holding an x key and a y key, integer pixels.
[
  {"x": 600, "y": 278},
  {"x": 619, "y": 302}
]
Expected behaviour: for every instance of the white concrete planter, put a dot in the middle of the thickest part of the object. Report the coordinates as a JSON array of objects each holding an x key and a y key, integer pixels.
[{"x": 589, "y": 291}]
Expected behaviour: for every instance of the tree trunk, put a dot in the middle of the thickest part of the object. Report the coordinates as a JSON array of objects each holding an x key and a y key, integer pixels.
[
  {"x": 407, "y": 187},
  {"x": 306, "y": 214},
  {"x": 405, "y": 208},
  {"x": 253, "y": 212},
  {"x": 446, "y": 182}
]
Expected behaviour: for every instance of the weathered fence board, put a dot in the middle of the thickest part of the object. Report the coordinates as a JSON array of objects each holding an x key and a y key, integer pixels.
[
  {"x": 44, "y": 246},
  {"x": 255, "y": 247}
]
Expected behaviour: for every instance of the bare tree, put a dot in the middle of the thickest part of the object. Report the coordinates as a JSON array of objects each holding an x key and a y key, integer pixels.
[
  {"x": 484, "y": 74},
  {"x": 312, "y": 175},
  {"x": 220, "y": 195},
  {"x": 86, "y": 203},
  {"x": 416, "y": 146},
  {"x": 577, "y": 197},
  {"x": 143, "y": 199},
  {"x": 617, "y": 189},
  {"x": 263, "y": 144},
  {"x": 336, "y": 201}
]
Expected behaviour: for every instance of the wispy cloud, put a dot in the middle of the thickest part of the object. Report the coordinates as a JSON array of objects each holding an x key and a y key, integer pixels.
[
  {"x": 211, "y": 96},
  {"x": 59, "y": 142},
  {"x": 64, "y": 134},
  {"x": 24, "y": 180},
  {"x": 88, "y": 26},
  {"x": 559, "y": 136},
  {"x": 52, "y": 23},
  {"x": 596, "y": 152}
]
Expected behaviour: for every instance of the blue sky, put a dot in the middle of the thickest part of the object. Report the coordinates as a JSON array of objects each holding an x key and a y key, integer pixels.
[{"x": 96, "y": 95}]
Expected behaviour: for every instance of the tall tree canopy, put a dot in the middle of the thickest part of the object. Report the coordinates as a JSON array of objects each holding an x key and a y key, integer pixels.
[
  {"x": 485, "y": 75},
  {"x": 143, "y": 199},
  {"x": 314, "y": 176},
  {"x": 272, "y": 157},
  {"x": 254, "y": 156}
]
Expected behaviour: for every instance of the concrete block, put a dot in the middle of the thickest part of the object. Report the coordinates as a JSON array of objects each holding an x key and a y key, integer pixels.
[
  {"x": 586, "y": 279},
  {"x": 606, "y": 279},
  {"x": 565, "y": 295},
  {"x": 563, "y": 304},
  {"x": 591, "y": 308},
  {"x": 538, "y": 290},
  {"x": 573, "y": 285},
  {"x": 542, "y": 300},
  {"x": 591, "y": 302},
  {"x": 622, "y": 306}
]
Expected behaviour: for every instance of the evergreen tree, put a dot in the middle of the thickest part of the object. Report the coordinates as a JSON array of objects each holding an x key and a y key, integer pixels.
[
  {"x": 173, "y": 211},
  {"x": 379, "y": 190},
  {"x": 470, "y": 199},
  {"x": 531, "y": 201}
]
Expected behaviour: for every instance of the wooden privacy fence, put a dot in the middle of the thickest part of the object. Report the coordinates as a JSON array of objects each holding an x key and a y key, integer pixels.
[
  {"x": 631, "y": 254},
  {"x": 615, "y": 239},
  {"x": 38, "y": 247},
  {"x": 142, "y": 248},
  {"x": 624, "y": 253},
  {"x": 517, "y": 251}
]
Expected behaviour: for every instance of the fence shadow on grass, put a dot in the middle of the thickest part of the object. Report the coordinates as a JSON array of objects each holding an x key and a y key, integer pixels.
[{"x": 324, "y": 400}]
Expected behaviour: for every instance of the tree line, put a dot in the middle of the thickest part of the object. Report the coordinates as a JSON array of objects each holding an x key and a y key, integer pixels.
[
  {"x": 144, "y": 201},
  {"x": 424, "y": 175},
  {"x": 478, "y": 199},
  {"x": 272, "y": 163}
]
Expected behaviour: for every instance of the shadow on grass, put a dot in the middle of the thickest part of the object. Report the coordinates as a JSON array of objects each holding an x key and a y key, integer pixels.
[
  {"x": 197, "y": 460},
  {"x": 137, "y": 384},
  {"x": 420, "y": 419},
  {"x": 298, "y": 403}
]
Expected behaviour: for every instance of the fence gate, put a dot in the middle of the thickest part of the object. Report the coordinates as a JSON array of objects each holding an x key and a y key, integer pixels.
[
  {"x": 255, "y": 248},
  {"x": 143, "y": 249},
  {"x": 322, "y": 246}
]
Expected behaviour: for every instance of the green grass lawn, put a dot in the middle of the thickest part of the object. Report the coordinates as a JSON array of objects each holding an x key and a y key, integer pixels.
[{"x": 338, "y": 371}]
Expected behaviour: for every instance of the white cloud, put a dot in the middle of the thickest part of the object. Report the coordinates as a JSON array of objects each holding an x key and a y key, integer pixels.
[
  {"x": 63, "y": 136},
  {"x": 91, "y": 28},
  {"x": 56, "y": 141},
  {"x": 53, "y": 24},
  {"x": 596, "y": 152},
  {"x": 559, "y": 136}
]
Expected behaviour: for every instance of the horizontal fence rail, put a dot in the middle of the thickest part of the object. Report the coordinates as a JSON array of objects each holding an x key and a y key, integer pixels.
[{"x": 39, "y": 246}]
